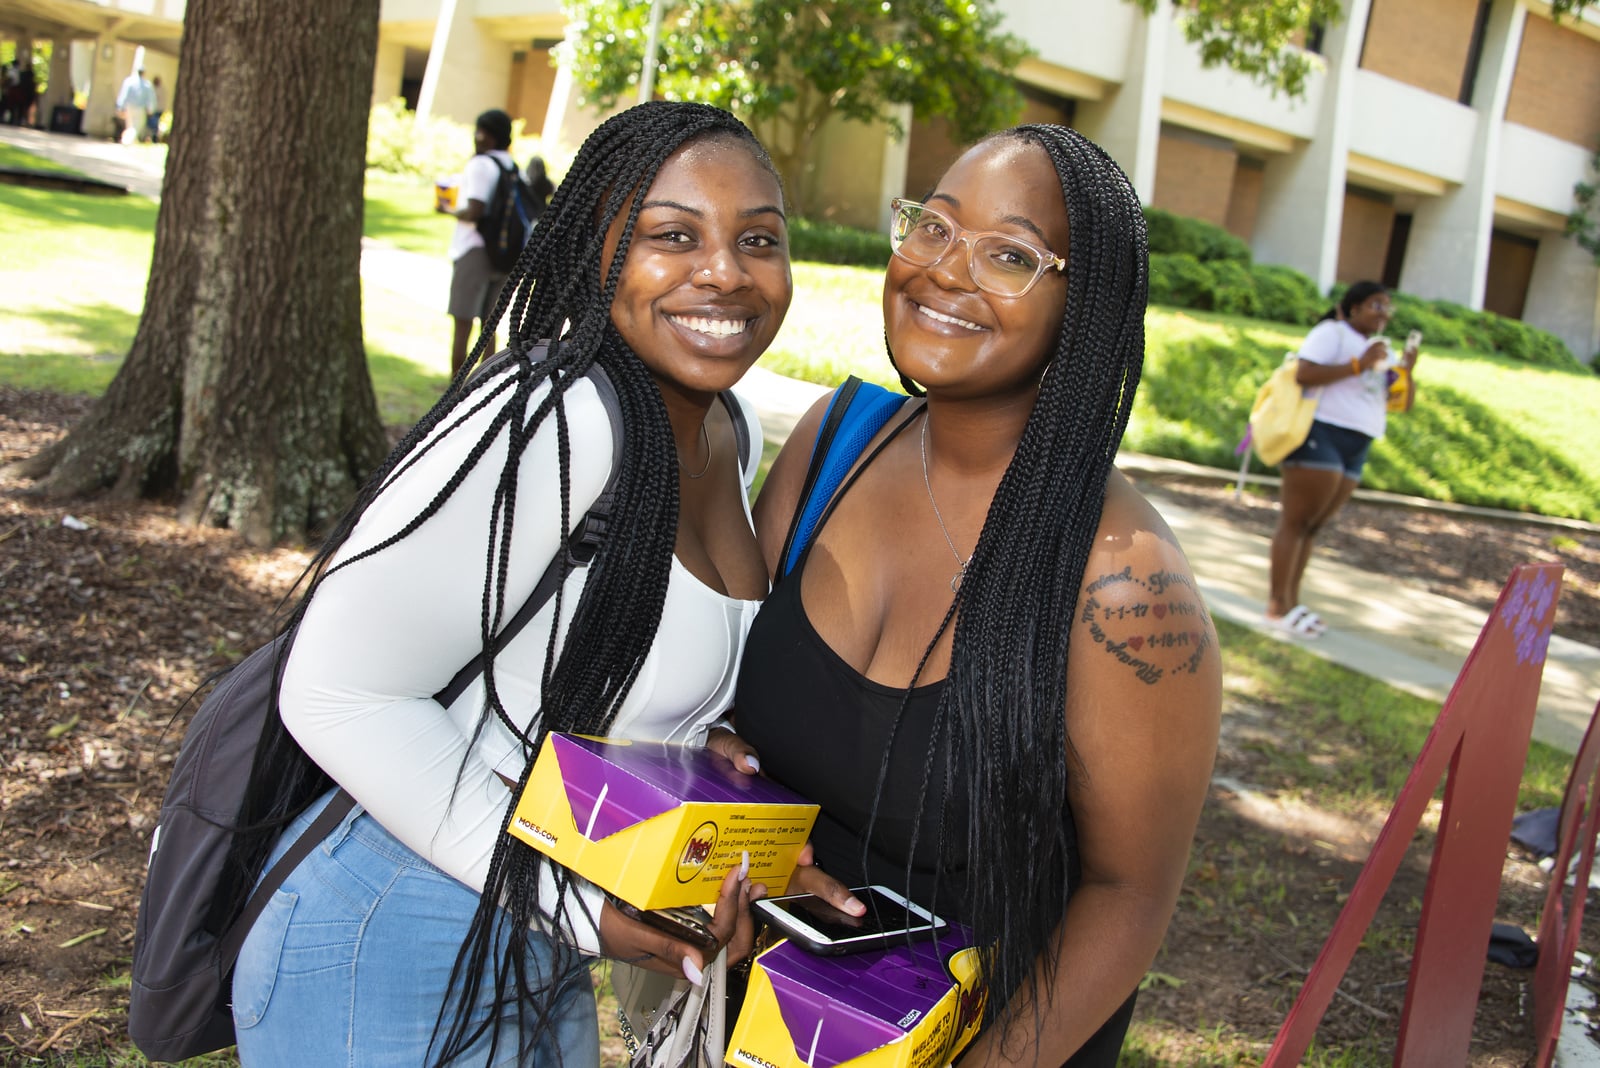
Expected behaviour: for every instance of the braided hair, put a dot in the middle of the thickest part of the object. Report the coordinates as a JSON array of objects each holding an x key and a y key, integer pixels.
[
  {"x": 1001, "y": 715},
  {"x": 555, "y": 290}
]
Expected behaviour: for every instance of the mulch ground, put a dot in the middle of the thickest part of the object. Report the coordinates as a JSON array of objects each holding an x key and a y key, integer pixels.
[{"x": 114, "y": 613}]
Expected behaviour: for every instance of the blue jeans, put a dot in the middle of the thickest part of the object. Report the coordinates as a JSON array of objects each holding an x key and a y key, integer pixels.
[{"x": 350, "y": 963}]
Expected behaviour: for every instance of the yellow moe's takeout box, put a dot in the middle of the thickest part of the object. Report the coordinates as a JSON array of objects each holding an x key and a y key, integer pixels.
[
  {"x": 659, "y": 825},
  {"x": 908, "y": 1006}
]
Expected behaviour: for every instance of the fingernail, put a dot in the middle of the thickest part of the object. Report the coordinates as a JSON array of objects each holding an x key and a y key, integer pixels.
[
  {"x": 751, "y": 762},
  {"x": 855, "y": 907},
  {"x": 744, "y": 865},
  {"x": 693, "y": 973}
]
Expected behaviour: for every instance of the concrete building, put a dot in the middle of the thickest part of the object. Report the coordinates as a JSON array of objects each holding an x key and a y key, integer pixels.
[{"x": 1436, "y": 147}]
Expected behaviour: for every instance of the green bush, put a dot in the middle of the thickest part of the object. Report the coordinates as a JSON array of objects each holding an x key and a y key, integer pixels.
[
  {"x": 823, "y": 242},
  {"x": 1233, "y": 289},
  {"x": 399, "y": 143},
  {"x": 1285, "y": 295},
  {"x": 1207, "y": 242},
  {"x": 1181, "y": 279}
]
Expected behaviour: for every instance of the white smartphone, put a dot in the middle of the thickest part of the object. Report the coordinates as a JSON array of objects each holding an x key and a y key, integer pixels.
[{"x": 821, "y": 928}]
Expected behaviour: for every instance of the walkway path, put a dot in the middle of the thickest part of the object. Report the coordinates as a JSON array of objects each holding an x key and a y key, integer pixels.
[{"x": 1409, "y": 637}]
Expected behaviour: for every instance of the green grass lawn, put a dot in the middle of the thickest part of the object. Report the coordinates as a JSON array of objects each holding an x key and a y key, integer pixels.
[
  {"x": 13, "y": 158},
  {"x": 1485, "y": 431}
]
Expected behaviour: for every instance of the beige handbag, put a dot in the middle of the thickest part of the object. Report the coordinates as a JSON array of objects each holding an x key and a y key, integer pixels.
[{"x": 671, "y": 1023}]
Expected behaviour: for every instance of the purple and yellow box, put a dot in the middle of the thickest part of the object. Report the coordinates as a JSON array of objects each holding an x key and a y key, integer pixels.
[
  {"x": 658, "y": 824},
  {"x": 904, "y": 1007}
]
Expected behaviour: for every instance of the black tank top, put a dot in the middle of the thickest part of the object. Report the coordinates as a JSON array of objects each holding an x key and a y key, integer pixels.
[{"x": 821, "y": 728}]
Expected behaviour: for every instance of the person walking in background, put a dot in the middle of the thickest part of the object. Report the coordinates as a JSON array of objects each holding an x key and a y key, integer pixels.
[
  {"x": 474, "y": 281},
  {"x": 540, "y": 187},
  {"x": 153, "y": 123},
  {"x": 135, "y": 100},
  {"x": 419, "y": 932},
  {"x": 1345, "y": 360},
  {"x": 991, "y": 665}
]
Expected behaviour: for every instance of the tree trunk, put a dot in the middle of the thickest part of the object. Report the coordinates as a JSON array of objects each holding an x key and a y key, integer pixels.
[{"x": 246, "y": 394}]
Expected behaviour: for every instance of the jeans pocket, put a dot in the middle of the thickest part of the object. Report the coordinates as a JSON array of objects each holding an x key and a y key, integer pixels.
[{"x": 256, "y": 972}]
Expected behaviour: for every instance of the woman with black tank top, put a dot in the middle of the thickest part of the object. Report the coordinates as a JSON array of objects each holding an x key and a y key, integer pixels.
[{"x": 990, "y": 665}]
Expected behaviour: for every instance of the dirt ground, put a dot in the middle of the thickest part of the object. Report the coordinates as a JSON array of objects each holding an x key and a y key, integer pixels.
[{"x": 113, "y": 614}]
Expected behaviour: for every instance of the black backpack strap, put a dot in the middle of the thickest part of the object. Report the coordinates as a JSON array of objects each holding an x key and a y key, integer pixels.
[
  {"x": 330, "y": 817},
  {"x": 581, "y": 547},
  {"x": 741, "y": 427},
  {"x": 582, "y": 544}
]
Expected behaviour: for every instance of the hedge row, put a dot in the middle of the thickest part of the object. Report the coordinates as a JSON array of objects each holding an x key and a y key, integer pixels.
[{"x": 1195, "y": 264}]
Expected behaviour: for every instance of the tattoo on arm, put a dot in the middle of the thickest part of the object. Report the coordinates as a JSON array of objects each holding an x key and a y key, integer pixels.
[{"x": 1160, "y": 628}]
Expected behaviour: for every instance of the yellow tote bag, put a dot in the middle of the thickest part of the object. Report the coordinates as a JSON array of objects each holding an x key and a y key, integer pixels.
[{"x": 1281, "y": 417}]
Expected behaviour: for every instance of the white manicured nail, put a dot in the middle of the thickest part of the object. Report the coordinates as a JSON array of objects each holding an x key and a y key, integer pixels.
[
  {"x": 744, "y": 865},
  {"x": 692, "y": 973},
  {"x": 751, "y": 762}
]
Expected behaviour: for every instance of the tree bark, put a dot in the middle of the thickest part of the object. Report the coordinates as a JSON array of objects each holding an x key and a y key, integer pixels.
[{"x": 246, "y": 395}]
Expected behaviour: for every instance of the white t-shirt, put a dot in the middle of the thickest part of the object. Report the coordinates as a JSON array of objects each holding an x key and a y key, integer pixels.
[
  {"x": 1358, "y": 402},
  {"x": 478, "y": 179},
  {"x": 381, "y": 637}
]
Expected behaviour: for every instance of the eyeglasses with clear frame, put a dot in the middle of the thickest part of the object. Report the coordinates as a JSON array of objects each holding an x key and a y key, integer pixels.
[{"x": 1002, "y": 264}]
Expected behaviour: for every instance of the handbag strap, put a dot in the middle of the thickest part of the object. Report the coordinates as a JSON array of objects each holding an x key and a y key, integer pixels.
[{"x": 856, "y": 413}]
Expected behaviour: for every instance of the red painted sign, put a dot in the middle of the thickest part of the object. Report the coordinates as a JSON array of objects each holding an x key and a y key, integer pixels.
[{"x": 1481, "y": 740}]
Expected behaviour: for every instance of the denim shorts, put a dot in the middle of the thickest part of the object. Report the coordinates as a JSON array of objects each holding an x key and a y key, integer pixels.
[
  {"x": 350, "y": 963},
  {"x": 1332, "y": 448}
]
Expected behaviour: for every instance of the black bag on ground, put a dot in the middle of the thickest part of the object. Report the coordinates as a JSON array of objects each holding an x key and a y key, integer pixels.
[{"x": 508, "y": 218}]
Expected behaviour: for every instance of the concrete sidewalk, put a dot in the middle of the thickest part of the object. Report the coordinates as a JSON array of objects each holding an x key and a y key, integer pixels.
[{"x": 1406, "y": 636}]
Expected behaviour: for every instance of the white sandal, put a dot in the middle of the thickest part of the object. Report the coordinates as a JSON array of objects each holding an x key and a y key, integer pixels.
[{"x": 1299, "y": 622}]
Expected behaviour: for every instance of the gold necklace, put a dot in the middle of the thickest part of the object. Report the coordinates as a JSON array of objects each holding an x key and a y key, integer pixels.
[
  {"x": 707, "y": 467},
  {"x": 961, "y": 565}
]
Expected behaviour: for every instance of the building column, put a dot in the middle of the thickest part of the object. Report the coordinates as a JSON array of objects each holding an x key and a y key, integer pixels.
[
  {"x": 1564, "y": 295},
  {"x": 1127, "y": 122},
  {"x": 468, "y": 70},
  {"x": 1447, "y": 254},
  {"x": 104, "y": 82},
  {"x": 59, "y": 91},
  {"x": 1302, "y": 193},
  {"x": 388, "y": 73}
]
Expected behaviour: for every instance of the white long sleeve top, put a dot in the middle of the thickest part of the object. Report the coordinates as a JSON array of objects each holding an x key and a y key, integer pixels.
[{"x": 382, "y": 636}]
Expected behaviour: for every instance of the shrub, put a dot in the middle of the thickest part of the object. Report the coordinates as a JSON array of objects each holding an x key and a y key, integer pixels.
[
  {"x": 1285, "y": 295},
  {"x": 824, "y": 242},
  {"x": 400, "y": 143},
  {"x": 1233, "y": 289},
  {"x": 1207, "y": 242},
  {"x": 1181, "y": 279}
]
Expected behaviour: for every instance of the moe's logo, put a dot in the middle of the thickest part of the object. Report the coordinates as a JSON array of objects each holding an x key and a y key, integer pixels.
[{"x": 696, "y": 851}]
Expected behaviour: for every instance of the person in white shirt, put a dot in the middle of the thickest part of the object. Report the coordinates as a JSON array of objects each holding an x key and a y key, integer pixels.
[
  {"x": 1346, "y": 361},
  {"x": 135, "y": 100},
  {"x": 474, "y": 281},
  {"x": 418, "y": 931}
]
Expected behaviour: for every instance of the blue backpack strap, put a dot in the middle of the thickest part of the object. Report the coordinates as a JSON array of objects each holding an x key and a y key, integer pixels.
[{"x": 854, "y": 416}]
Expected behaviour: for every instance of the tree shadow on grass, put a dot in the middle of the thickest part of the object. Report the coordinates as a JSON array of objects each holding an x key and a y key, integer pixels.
[{"x": 129, "y": 213}]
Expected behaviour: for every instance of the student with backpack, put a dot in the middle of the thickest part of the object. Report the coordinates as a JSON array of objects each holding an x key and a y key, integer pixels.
[
  {"x": 486, "y": 203},
  {"x": 417, "y": 931}
]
